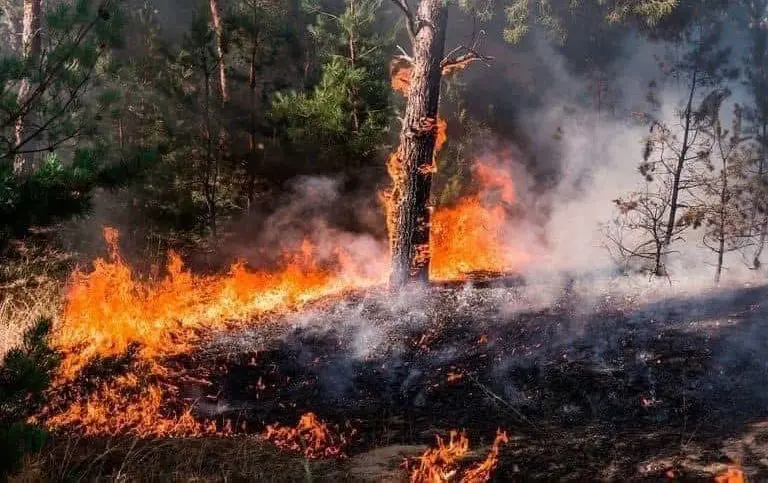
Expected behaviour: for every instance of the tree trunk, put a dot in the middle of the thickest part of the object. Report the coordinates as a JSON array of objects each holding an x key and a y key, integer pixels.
[
  {"x": 721, "y": 221},
  {"x": 210, "y": 175},
  {"x": 761, "y": 177},
  {"x": 680, "y": 164},
  {"x": 31, "y": 43},
  {"x": 410, "y": 241},
  {"x": 255, "y": 150},
  {"x": 216, "y": 18},
  {"x": 351, "y": 43}
]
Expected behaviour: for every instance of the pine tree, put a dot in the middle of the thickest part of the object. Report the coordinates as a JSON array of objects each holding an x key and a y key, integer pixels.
[
  {"x": 24, "y": 375},
  {"x": 663, "y": 209},
  {"x": 719, "y": 201},
  {"x": 756, "y": 117},
  {"x": 343, "y": 120},
  {"x": 52, "y": 105}
]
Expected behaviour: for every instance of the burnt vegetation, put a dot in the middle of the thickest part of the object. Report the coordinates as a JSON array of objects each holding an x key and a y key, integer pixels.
[{"x": 336, "y": 229}]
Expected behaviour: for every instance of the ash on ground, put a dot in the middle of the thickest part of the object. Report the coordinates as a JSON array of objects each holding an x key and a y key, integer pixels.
[{"x": 602, "y": 386}]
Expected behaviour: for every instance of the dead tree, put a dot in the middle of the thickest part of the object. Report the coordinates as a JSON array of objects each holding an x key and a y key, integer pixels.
[
  {"x": 411, "y": 193},
  {"x": 636, "y": 238}
]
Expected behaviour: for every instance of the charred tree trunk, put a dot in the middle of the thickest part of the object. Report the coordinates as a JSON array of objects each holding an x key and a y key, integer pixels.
[
  {"x": 410, "y": 240},
  {"x": 31, "y": 44},
  {"x": 217, "y": 27}
]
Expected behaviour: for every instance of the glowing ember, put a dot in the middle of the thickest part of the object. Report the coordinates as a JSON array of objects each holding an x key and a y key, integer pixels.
[
  {"x": 311, "y": 436},
  {"x": 441, "y": 464}
]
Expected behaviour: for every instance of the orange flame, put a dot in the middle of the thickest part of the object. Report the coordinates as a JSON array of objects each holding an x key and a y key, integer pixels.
[
  {"x": 311, "y": 436},
  {"x": 109, "y": 308},
  {"x": 441, "y": 464},
  {"x": 733, "y": 474},
  {"x": 482, "y": 472},
  {"x": 471, "y": 235},
  {"x": 126, "y": 406}
]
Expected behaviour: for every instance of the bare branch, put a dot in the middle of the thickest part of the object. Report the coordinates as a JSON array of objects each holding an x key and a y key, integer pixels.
[
  {"x": 409, "y": 20},
  {"x": 452, "y": 63}
]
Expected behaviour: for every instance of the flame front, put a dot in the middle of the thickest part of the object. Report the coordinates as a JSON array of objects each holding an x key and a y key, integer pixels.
[
  {"x": 109, "y": 309},
  {"x": 112, "y": 313}
]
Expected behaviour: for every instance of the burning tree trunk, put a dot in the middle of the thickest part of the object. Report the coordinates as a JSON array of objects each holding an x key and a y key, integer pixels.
[
  {"x": 31, "y": 43},
  {"x": 411, "y": 213}
]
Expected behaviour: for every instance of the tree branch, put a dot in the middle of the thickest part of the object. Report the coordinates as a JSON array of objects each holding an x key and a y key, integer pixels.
[
  {"x": 452, "y": 62},
  {"x": 409, "y": 20}
]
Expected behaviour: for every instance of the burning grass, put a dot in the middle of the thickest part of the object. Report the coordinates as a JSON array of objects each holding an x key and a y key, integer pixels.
[
  {"x": 140, "y": 355},
  {"x": 441, "y": 464},
  {"x": 311, "y": 437},
  {"x": 569, "y": 386}
]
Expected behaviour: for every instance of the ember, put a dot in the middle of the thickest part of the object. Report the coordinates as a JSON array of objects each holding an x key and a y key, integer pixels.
[{"x": 733, "y": 474}]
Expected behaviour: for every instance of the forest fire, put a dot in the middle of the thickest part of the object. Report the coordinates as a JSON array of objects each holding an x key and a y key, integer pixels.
[
  {"x": 111, "y": 311},
  {"x": 441, "y": 464}
]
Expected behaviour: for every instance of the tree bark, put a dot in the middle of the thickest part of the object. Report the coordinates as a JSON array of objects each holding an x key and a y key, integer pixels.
[
  {"x": 410, "y": 241},
  {"x": 217, "y": 27},
  {"x": 31, "y": 44}
]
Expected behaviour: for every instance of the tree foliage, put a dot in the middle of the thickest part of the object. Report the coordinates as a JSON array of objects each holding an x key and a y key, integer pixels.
[
  {"x": 345, "y": 117},
  {"x": 62, "y": 98},
  {"x": 24, "y": 376}
]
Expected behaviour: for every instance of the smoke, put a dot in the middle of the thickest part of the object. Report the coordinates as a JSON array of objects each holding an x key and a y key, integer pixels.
[{"x": 595, "y": 143}]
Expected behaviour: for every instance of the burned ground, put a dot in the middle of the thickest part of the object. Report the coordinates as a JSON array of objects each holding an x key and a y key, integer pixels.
[
  {"x": 589, "y": 384},
  {"x": 598, "y": 388}
]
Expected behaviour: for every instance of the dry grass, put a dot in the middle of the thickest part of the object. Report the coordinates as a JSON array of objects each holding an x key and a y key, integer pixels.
[
  {"x": 203, "y": 459},
  {"x": 32, "y": 277}
]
